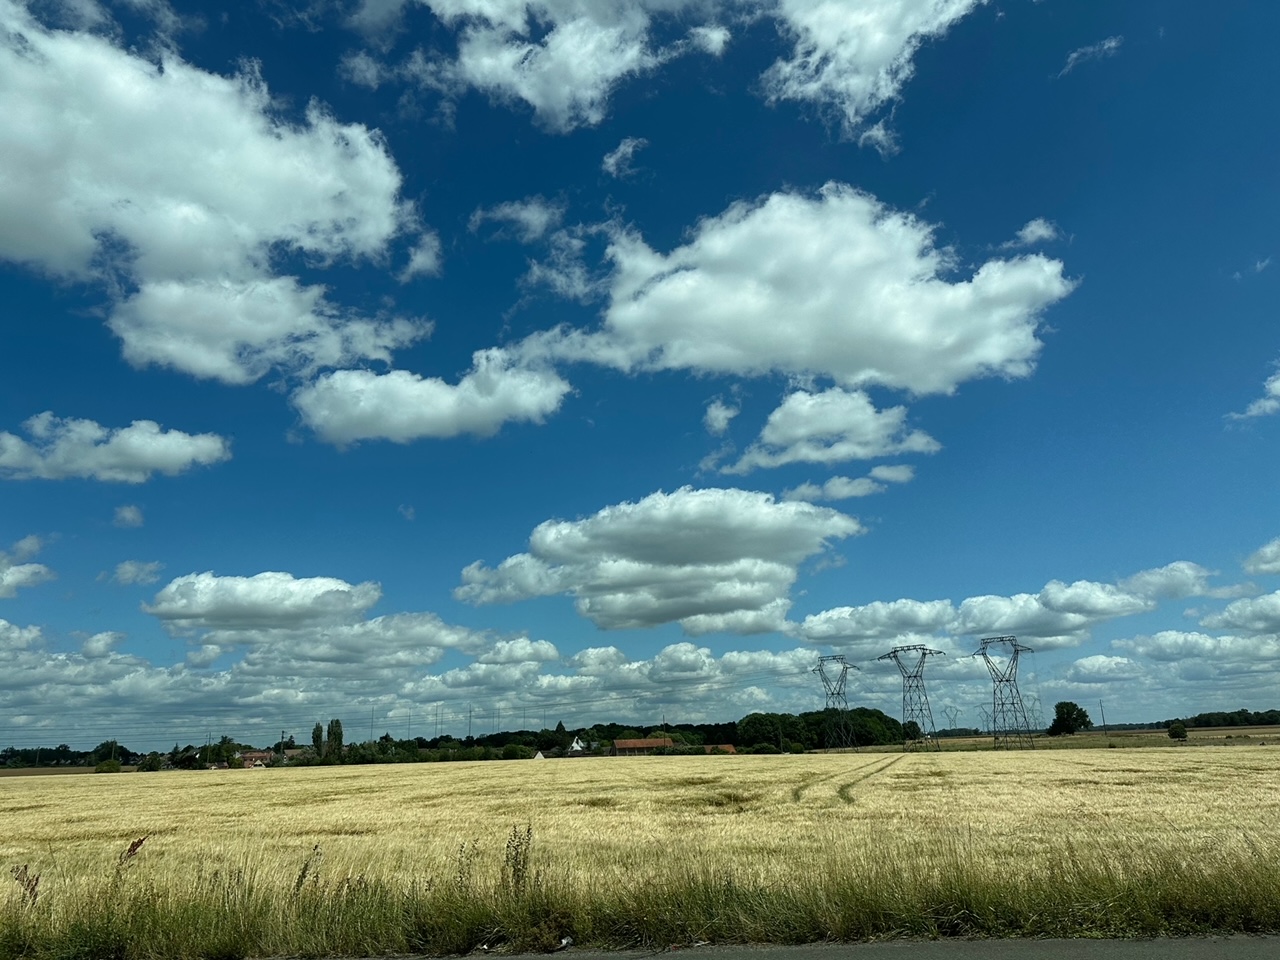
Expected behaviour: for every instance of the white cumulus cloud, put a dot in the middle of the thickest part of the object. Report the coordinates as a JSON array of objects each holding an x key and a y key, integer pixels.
[
  {"x": 868, "y": 300},
  {"x": 350, "y": 405},
  {"x": 855, "y": 57},
  {"x": 1252, "y": 615},
  {"x": 59, "y": 448},
  {"x": 178, "y": 186},
  {"x": 206, "y": 601},
  {"x": 726, "y": 556},
  {"x": 718, "y": 417},
  {"x": 1265, "y": 405},
  {"x": 1266, "y": 559},
  {"x": 16, "y": 572},
  {"x": 831, "y": 427}
]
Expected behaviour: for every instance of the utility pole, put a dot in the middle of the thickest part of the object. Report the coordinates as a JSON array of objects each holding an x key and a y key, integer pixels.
[
  {"x": 371, "y": 723},
  {"x": 1104, "y": 720},
  {"x": 468, "y": 721},
  {"x": 281, "y": 746}
]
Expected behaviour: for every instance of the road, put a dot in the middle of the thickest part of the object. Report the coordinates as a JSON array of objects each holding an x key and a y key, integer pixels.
[{"x": 1184, "y": 948}]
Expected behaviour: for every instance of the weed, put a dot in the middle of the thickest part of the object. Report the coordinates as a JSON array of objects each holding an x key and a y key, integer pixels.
[
  {"x": 515, "y": 860},
  {"x": 29, "y": 882}
]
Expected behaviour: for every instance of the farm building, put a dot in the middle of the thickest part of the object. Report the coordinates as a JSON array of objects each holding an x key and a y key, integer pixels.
[{"x": 640, "y": 748}]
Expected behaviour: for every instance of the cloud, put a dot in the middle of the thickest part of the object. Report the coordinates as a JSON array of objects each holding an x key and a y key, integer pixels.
[
  {"x": 531, "y": 218},
  {"x": 617, "y": 162},
  {"x": 1101, "y": 668},
  {"x": 1265, "y": 405},
  {"x": 878, "y": 621},
  {"x": 893, "y": 472},
  {"x": 844, "y": 488},
  {"x": 1173, "y": 646},
  {"x": 129, "y": 515},
  {"x": 1060, "y": 615},
  {"x": 562, "y": 59},
  {"x": 1034, "y": 232},
  {"x": 424, "y": 260},
  {"x": 718, "y": 416},
  {"x": 350, "y": 405},
  {"x": 16, "y": 573},
  {"x": 1096, "y": 51},
  {"x": 521, "y": 650},
  {"x": 831, "y": 427},
  {"x": 864, "y": 290},
  {"x": 129, "y": 572},
  {"x": 205, "y": 601},
  {"x": 837, "y": 488},
  {"x": 723, "y": 555},
  {"x": 855, "y": 58},
  {"x": 1177, "y": 580},
  {"x": 565, "y": 59},
  {"x": 1254, "y": 615},
  {"x": 1266, "y": 559},
  {"x": 711, "y": 39},
  {"x": 65, "y": 447},
  {"x": 100, "y": 644},
  {"x": 178, "y": 189}
]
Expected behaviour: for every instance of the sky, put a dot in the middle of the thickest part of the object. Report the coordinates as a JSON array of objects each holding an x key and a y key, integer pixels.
[{"x": 435, "y": 363}]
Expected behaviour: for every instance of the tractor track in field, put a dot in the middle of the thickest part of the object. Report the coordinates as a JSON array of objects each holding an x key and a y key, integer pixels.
[
  {"x": 799, "y": 790},
  {"x": 844, "y": 792}
]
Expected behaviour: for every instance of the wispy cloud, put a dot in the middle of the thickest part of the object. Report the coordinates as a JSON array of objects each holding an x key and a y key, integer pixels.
[
  {"x": 1258, "y": 267},
  {"x": 1096, "y": 51}
]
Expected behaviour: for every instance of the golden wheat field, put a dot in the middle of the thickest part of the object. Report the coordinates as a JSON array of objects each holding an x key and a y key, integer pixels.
[
  {"x": 447, "y": 857},
  {"x": 614, "y": 820}
]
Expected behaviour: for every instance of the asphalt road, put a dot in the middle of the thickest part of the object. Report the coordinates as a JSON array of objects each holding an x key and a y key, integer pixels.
[{"x": 1187, "y": 948}]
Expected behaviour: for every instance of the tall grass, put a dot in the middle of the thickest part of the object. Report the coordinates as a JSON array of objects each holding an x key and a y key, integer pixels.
[{"x": 723, "y": 850}]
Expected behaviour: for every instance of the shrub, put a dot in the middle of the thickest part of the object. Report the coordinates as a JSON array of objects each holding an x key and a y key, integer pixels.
[
  {"x": 107, "y": 766},
  {"x": 1177, "y": 731}
]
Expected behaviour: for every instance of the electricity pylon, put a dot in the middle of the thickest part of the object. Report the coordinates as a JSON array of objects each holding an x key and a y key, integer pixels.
[
  {"x": 953, "y": 714},
  {"x": 1009, "y": 727},
  {"x": 833, "y": 671},
  {"x": 915, "y": 704}
]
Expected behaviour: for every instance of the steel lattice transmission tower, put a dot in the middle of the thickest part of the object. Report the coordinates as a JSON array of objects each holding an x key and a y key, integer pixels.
[
  {"x": 834, "y": 671},
  {"x": 953, "y": 714},
  {"x": 915, "y": 704},
  {"x": 1009, "y": 727}
]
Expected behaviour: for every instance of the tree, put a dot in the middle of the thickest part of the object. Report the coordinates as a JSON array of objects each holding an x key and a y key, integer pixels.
[
  {"x": 317, "y": 739},
  {"x": 1068, "y": 718},
  {"x": 335, "y": 738},
  {"x": 1177, "y": 730}
]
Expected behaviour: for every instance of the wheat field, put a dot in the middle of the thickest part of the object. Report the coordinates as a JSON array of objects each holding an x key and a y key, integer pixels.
[{"x": 643, "y": 851}]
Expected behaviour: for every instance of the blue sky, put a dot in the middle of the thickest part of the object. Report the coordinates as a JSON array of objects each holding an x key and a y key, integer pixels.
[{"x": 394, "y": 357}]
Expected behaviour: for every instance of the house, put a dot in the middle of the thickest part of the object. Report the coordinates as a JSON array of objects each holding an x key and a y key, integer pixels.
[
  {"x": 257, "y": 758},
  {"x": 577, "y": 748},
  {"x": 640, "y": 748}
]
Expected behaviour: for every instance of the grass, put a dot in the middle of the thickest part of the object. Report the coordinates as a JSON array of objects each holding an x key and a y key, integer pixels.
[{"x": 653, "y": 852}]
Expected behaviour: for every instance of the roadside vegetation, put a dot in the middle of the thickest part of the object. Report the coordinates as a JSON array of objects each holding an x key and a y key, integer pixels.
[{"x": 640, "y": 852}]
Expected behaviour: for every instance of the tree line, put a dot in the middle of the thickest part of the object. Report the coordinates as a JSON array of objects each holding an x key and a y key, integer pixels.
[{"x": 754, "y": 733}]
